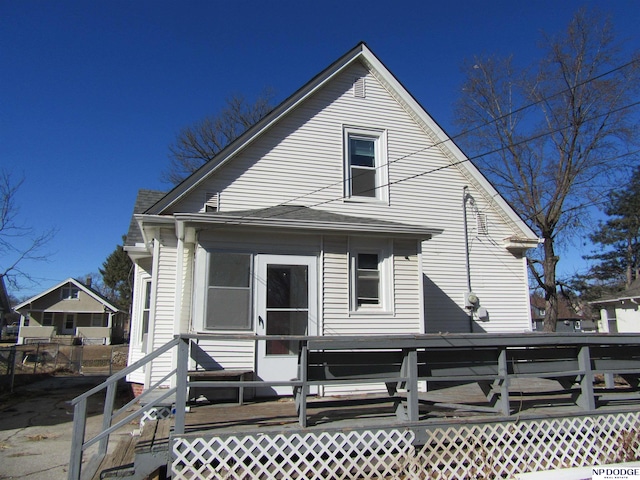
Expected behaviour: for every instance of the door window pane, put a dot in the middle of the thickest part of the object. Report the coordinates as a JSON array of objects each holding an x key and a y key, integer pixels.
[
  {"x": 285, "y": 323},
  {"x": 287, "y": 286},
  {"x": 287, "y": 306}
]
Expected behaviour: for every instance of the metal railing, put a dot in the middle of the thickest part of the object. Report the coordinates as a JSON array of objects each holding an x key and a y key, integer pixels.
[
  {"x": 180, "y": 346},
  {"x": 178, "y": 376}
]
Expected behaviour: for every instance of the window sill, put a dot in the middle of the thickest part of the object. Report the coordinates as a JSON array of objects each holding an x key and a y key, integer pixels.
[
  {"x": 368, "y": 313},
  {"x": 366, "y": 200}
]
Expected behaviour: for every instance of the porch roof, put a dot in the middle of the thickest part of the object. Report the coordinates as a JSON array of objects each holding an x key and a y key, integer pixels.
[{"x": 305, "y": 218}]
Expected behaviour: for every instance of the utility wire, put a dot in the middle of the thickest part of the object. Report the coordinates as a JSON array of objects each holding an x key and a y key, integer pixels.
[{"x": 467, "y": 159}]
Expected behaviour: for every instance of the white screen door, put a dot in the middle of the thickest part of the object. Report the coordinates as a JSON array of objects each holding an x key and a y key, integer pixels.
[{"x": 287, "y": 304}]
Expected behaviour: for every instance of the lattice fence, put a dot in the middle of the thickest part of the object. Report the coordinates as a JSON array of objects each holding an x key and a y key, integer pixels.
[{"x": 468, "y": 451}]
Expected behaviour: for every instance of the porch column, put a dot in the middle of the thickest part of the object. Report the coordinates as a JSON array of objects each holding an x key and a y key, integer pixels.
[{"x": 109, "y": 327}]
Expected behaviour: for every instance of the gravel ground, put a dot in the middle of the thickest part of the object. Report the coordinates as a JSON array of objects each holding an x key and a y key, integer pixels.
[{"x": 36, "y": 424}]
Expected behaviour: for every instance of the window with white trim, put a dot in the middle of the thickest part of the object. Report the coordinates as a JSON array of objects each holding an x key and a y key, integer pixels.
[
  {"x": 370, "y": 263},
  {"x": 228, "y": 299},
  {"x": 70, "y": 293},
  {"x": 365, "y": 168},
  {"x": 146, "y": 310},
  {"x": 367, "y": 279}
]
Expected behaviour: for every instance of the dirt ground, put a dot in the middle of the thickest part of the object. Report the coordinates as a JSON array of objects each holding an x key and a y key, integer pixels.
[{"x": 36, "y": 424}]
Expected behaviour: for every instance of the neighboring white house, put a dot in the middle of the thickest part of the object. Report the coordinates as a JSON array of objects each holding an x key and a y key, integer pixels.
[
  {"x": 347, "y": 210},
  {"x": 620, "y": 313},
  {"x": 70, "y": 312}
]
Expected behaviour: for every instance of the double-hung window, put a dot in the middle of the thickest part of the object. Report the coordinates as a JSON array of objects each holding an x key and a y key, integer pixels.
[
  {"x": 47, "y": 319},
  {"x": 228, "y": 300},
  {"x": 371, "y": 289},
  {"x": 366, "y": 177},
  {"x": 146, "y": 311},
  {"x": 367, "y": 279},
  {"x": 70, "y": 293}
]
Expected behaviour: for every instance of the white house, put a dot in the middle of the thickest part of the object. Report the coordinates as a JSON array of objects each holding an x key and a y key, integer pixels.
[
  {"x": 620, "y": 313},
  {"x": 345, "y": 211}
]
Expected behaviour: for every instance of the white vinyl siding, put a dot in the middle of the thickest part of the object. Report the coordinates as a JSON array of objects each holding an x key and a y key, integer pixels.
[
  {"x": 227, "y": 354},
  {"x": 142, "y": 275},
  {"x": 310, "y": 140},
  {"x": 164, "y": 319}
]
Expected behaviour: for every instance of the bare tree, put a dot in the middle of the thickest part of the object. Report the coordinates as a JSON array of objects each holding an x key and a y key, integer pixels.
[
  {"x": 557, "y": 133},
  {"x": 199, "y": 143},
  {"x": 18, "y": 242}
]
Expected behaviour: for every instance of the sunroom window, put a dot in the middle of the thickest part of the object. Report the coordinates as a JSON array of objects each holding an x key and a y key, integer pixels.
[{"x": 228, "y": 299}]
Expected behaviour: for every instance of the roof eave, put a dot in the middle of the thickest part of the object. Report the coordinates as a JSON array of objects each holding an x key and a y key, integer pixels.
[{"x": 195, "y": 220}]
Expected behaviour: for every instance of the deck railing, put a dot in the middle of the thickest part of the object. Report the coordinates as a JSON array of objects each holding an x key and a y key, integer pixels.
[{"x": 528, "y": 354}]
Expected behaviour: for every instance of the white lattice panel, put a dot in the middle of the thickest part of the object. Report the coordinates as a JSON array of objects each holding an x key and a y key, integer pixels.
[
  {"x": 341, "y": 455},
  {"x": 156, "y": 413},
  {"x": 467, "y": 451},
  {"x": 500, "y": 450}
]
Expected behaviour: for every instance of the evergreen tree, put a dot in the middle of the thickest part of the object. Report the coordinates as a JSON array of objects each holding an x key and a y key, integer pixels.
[
  {"x": 117, "y": 275},
  {"x": 618, "y": 260}
]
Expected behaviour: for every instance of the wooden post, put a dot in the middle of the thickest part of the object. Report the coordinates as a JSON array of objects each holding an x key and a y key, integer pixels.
[
  {"x": 107, "y": 415},
  {"x": 586, "y": 400},
  {"x": 77, "y": 439},
  {"x": 413, "y": 406},
  {"x": 304, "y": 388},
  {"x": 182, "y": 365}
]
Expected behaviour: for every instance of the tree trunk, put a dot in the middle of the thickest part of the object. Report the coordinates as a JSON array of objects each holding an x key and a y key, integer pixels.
[{"x": 549, "y": 285}]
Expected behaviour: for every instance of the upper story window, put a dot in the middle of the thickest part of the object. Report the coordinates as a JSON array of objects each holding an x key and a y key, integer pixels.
[
  {"x": 366, "y": 177},
  {"x": 69, "y": 293}
]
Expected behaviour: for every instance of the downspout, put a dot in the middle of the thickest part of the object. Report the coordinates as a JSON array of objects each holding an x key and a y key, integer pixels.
[{"x": 470, "y": 300}]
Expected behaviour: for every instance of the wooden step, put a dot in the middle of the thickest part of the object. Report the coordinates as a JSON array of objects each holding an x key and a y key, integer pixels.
[{"x": 119, "y": 462}]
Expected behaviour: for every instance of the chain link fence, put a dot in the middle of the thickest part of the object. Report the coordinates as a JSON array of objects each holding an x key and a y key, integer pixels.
[{"x": 21, "y": 364}]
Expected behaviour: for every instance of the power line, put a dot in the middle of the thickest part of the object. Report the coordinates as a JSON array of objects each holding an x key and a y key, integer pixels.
[{"x": 467, "y": 159}]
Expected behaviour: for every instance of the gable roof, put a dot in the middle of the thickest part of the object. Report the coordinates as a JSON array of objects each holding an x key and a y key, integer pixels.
[
  {"x": 360, "y": 53},
  {"x": 89, "y": 291},
  {"x": 566, "y": 310}
]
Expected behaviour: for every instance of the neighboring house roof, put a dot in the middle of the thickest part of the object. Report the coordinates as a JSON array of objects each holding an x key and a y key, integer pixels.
[
  {"x": 566, "y": 311},
  {"x": 360, "y": 53},
  {"x": 305, "y": 218},
  {"x": 631, "y": 293},
  {"x": 89, "y": 291},
  {"x": 5, "y": 305},
  {"x": 144, "y": 200}
]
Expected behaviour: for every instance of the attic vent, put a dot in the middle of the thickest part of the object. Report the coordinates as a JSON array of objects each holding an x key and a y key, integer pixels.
[
  {"x": 359, "y": 88},
  {"x": 212, "y": 202},
  {"x": 481, "y": 224}
]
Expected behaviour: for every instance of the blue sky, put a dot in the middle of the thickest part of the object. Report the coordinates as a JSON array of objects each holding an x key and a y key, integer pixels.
[{"x": 93, "y": 93}]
